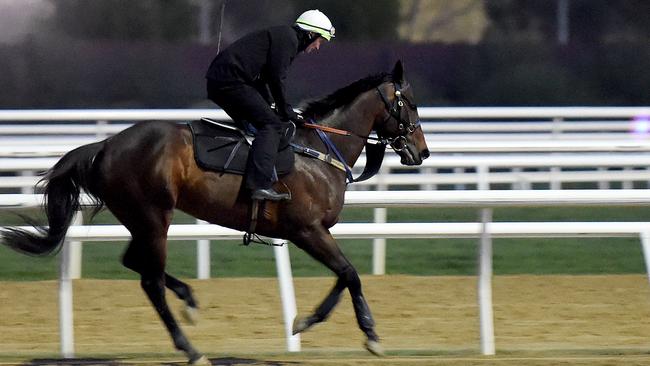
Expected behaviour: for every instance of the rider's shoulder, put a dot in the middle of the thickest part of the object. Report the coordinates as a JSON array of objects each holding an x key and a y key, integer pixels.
[{"x": 283, "y": 31}]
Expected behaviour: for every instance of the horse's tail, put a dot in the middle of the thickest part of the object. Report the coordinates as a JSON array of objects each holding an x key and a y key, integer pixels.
[{"x": 63, "y": 185}]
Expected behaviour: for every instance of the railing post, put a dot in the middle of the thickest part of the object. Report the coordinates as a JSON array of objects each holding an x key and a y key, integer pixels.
[
  {"x": 557, "y": 126},
  {"x": 521, "y": 183},
  {"x": 379, "y": 244},
  {"x": 459, "y": 186},
  {"x": 486, "y": 315},
  {"x": 29, "y": 189},
  {"x": 66, "y": 322},
  {"x": 202, "y": 256},
  {"x": 485, "y": 285},
  {"x": 429, "y": 186},
  {"x": 75, "y": 250},
  {"x": 101, "y": 132},
  {"x": 554, "y": 173},
  {"x": 603, "y": 184},
  {"x": 645, "y": 245},
  {"x": 483, "y": 176},
  {"x": 627, "y": 184},
  {"x": 287, "y": 294}
]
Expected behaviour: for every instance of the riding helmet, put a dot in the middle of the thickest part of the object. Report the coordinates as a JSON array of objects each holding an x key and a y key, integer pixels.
[{"x": 317, "y": 22}]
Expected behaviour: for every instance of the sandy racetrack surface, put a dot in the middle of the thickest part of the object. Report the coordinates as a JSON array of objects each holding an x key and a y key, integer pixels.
[{"x": 574, "y": 320}]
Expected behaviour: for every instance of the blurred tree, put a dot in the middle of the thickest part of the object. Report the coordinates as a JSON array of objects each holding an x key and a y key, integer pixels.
[
  {"x": 589, "y": 21},
  {"x": 125, "y": 19},
  {"x": 242, "y": 17},
  {"x": 460, "y": 21}
]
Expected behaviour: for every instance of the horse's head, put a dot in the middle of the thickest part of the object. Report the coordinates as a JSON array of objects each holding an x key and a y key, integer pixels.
[{"x": 399, "y": 124}]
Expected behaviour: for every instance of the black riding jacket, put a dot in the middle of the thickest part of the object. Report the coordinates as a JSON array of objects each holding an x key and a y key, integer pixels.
[{"x": 259, "y": 59}]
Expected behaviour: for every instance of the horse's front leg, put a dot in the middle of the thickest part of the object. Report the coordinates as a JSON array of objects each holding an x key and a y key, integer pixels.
[
  {"x": 320, "y": 244},
  {"x": 323, "y": 311}
]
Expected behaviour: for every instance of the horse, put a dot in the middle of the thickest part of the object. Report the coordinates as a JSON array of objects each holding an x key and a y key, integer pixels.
[{"x": 146, "y": 171}]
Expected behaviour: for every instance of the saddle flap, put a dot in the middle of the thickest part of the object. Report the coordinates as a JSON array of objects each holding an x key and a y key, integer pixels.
[
  {"x": 224, "y": 148},
  {"x": 231, "y": 127},
  {"x": 222, "y": 142}
]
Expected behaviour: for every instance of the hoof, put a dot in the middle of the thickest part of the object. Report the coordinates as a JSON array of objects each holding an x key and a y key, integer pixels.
[
  {"x": 375, "y": 348},
  {"x": 300, "y": 325},
  {"x": 200, "y": 361},
  {"x": 190, "y": 315}
]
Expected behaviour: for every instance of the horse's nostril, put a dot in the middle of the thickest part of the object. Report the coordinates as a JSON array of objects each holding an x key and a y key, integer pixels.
[{"x": 424, "y": 154}]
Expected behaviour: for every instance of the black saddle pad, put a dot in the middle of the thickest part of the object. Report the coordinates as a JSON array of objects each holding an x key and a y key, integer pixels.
[{"x": 225, "y": 149}]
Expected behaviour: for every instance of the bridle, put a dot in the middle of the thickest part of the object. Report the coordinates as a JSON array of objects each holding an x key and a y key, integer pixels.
[
  {"x": 374, "y": 152},
  {"x": 404, "y": 126}
]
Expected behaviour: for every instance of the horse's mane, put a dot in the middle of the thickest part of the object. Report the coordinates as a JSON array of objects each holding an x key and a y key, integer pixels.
[{"x": 322, "y": 107}]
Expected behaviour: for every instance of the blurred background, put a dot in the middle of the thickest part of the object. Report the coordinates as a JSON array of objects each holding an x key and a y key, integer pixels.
[{"x": 153, "y": 53}]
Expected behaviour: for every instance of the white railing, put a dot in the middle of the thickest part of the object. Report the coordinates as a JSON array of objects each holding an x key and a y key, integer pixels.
[
  {"x": 535, "y": 153},
  {"x": 476, "y": 199},
  {"x": 594, "y": 168},
  {"x": 499, "y": 123},
  {"x": 522, "y": 129},
  {"x": 42, "y": 148},
  {"x": 476, "y": 113}
]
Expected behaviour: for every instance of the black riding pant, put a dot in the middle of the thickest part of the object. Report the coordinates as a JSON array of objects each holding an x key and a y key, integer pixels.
[{"x": 244, "y": 103}]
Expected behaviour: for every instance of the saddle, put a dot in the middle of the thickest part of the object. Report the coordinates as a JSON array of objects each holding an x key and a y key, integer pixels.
[{"x": 224, "y": 147}]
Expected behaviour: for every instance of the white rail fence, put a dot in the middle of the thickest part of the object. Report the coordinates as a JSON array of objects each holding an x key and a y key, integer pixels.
[
  {"x": 577, "y": 123},
  {"x": 556, "y": 115},
  {"x": 520, "y": 152},
  {"x": 455, "y": 131},
  {"x": 520, "y": 170},
  {"x": 485, "y": 229},
  {"x": 471, "y": 130}
]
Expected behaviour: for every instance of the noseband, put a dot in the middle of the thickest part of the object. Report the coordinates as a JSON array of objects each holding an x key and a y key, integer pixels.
[{"x": 405, "y": 126}]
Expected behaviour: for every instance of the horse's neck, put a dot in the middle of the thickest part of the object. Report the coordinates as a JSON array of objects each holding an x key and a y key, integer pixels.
[{"x": 357, "y": 118}]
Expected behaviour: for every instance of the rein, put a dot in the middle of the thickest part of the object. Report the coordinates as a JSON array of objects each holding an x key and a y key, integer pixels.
[
  {"x": 340, "y": 132},
  {"x": 374, "y": 152}
]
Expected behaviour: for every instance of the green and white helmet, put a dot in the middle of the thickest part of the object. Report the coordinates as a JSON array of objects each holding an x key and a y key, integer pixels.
[{"x": 317, "y": 22}]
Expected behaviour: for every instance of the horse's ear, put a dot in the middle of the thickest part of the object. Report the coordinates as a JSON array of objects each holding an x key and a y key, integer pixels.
[{"x": 398, "y": 72}]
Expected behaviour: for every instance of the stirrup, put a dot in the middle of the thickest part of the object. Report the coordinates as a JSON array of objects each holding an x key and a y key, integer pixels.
[
  {"x": 254, "y": 238},
  {"x": 250, "y": 236}
]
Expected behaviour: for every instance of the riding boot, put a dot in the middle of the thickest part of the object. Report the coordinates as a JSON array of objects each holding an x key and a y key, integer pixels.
[
  {"x": 269, "y": 194},
  {"x": 261, "y": 164}
]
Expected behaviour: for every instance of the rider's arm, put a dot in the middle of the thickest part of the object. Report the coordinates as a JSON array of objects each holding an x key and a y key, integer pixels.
[
  {"x": 282, "y": 50},
  {"x": 262, "y": 88}
]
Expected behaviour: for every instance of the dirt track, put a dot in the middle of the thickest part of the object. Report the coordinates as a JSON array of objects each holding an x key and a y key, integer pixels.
[{"x": 433, "y": 320}]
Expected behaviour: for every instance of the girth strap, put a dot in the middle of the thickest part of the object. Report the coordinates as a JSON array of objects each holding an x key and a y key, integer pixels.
[
  {"x": 374, "y": 158},
  {"x": 331, "y": 147},
  {"x": 309, "y": 152}
]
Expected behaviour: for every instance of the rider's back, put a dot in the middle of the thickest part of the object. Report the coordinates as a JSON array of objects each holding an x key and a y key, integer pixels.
[{"x": 251, "y": 56}]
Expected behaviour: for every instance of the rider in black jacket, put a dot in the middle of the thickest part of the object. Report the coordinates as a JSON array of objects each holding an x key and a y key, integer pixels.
[{"x": 245, "y": 78}]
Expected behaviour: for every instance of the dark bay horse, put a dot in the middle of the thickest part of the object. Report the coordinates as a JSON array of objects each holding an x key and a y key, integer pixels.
[{"x": 146, "y": 171}]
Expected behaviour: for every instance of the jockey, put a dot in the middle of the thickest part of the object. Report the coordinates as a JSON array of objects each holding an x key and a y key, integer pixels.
[{"x": 248, "y": 76}]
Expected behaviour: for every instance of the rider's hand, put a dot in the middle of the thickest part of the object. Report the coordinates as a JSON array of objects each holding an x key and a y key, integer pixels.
[{"x": 299, "y": 120}]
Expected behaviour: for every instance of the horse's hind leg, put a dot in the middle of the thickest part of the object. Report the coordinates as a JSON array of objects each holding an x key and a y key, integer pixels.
[
  {"x": 321, "y": 245},
  {"x": 146, "y": 255},
  {"x": 184, "y": 292}
]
